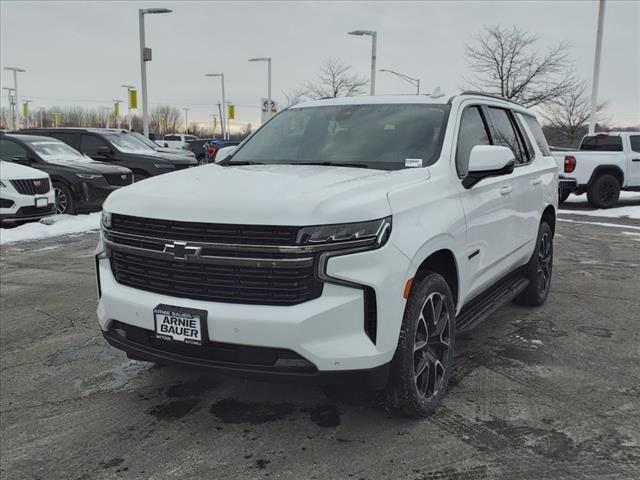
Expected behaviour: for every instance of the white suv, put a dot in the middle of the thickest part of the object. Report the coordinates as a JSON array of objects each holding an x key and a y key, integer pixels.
[{"x": 347, "y": 241}]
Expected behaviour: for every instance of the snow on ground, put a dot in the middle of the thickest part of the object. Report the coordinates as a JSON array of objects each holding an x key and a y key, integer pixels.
[
  {"x": 51, "y": 227},
  {"x": 628, "y": 206}
]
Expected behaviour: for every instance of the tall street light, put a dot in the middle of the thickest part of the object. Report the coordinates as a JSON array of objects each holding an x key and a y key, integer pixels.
[
  {"x": 129, "y": 88},
  {"x": 374, "y": 35},
  {"x": 145, "y": 56},
  {"x": 413, "y": 81},
  {"x": 11, "y": 102},
  {"x": 268, "y": 60},
  {"x": 16, "y": 99},
  {"x": 596, "y": 69},
  {"x": 225, "y": 134},
  {"x": 186, "y": 120}
]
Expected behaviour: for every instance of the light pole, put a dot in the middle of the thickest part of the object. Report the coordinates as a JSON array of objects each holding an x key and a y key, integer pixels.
[
  {"x": 268, "y": 60},
  {"x": 129, "y": 88},
  {"x": 222, "y": 112},
  {"x": 145, "y": 56},
  {"x": 16, "y": 99},
  {"x": 596, "y": 69},
  {"x": 186, "y": 120},
  {"x": 11, "y": 104},
  {"x": 413, "y": 81},
  {"x": 213, "y": 124},
  {"x": 374, "y": 36}
]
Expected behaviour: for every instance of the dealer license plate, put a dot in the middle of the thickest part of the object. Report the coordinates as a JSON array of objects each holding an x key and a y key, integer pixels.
[
  {"x": 180, "y": 324},
  {"x": 41, "y": 202}
]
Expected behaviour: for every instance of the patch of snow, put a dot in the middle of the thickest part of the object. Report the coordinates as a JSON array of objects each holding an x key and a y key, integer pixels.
[
  {"x": 600, "y": 224},
  {"x": 52, "y": 227},
  {"x": 628, "y": 206}
]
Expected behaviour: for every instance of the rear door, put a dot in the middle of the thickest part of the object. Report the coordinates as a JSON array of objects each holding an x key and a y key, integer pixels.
[{"x": 633, "y": 163}]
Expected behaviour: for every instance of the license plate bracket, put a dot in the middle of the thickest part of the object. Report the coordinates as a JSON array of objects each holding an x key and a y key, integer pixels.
[{"x": 180, "y": 324}]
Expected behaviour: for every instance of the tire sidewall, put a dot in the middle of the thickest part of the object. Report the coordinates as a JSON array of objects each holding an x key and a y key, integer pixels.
[
  {"x": 594, "y": 193},
  {"x": 402, "y": 383},
  {"x": 534, "y": 263}
]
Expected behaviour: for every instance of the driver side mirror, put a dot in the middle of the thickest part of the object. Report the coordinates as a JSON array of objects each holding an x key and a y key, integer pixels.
[
  {"x": 104, "y": 152},
  {"x": 223, "y": 153},
  {"x": 488, "y": 161},
  {"x": 22, "y": 160}
]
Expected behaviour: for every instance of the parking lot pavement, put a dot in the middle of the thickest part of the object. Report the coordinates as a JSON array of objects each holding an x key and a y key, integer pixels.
[{"x": 547, "y": 393}]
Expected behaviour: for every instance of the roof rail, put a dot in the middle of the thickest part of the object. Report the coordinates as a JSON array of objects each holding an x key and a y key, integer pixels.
[{"x": 489, "y": 95}]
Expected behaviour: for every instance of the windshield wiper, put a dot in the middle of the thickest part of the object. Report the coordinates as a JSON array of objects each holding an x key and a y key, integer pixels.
[
  {"x": 240, "y": 162},
  {"x": 334, "y": 164}
]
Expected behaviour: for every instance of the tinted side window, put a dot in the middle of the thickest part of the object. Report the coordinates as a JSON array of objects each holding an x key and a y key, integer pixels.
[
  {"x": 538, "y": 135},
  {"x": 70, "y": 139},
  {"x": 602, "y": 143},
  {"x": 9, "y": 150},
  {"x": 472, "y": 132},
  {"x": 635, "y": 143},
  {"x": 90, "y": 144},
  {"x": 172, "y": 138},
  {"x": 504, "y": 134}
]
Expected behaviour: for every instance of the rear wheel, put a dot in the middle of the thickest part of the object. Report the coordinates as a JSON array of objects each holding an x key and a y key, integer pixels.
[
  {"x": 604, "y": 192},
  {"x": 539, "y": 270},
  {"x": 63, "y": 199},
  {"x": 422, "y": 364}
]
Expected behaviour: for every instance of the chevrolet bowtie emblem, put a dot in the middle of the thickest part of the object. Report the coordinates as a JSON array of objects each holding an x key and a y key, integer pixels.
[{"x": 180, "y": 250}]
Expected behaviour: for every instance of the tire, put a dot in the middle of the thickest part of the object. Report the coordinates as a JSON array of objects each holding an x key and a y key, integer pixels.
[
  {"x": 564, "y": 194},
  {"x": 138, "y": 177},
  {"x": 424, "y": 343},
  {"x": 65, "y": 204},
  {"x": 539, "y": 270},
  {"x": 604, "y": 191}
]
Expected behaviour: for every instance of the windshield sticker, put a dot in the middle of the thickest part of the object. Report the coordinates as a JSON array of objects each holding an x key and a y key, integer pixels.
[{"x": 413, "y": 162}]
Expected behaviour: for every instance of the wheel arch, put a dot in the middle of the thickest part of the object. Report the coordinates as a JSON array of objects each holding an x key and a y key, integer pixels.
[
  {"x": 444, "y": 262},
  {"x": 549, "y": 216},
  {"x": 614, "y": 170}
]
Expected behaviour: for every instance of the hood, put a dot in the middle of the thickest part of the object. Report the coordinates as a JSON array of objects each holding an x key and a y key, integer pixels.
[
  {"x": 175, "y": 151},
  {"x": 175, "y": 158},
  {"x": 264, "y": 194},
  {"x": 83, "y": 167},
  {"x": 15, "y": 171}
]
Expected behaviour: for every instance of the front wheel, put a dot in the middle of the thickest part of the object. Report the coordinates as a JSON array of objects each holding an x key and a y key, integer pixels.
[
  {"x": 422, "y": 364},
  {"x": 63, "y": 199},
  {"x": 538, "y": 270}
]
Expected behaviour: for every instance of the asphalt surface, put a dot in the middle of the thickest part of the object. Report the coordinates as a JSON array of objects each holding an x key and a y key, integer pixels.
[{"x": 547, "y": 393}]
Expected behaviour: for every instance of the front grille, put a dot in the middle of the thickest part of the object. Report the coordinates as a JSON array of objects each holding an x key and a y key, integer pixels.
[
  {"x": 118, "y": 179},
  {"x": 218, "y": 353},
  {"x": 32, "y": 186},
  {"x": 206, "y": 232},
  {"x": 259, "y": 285}
]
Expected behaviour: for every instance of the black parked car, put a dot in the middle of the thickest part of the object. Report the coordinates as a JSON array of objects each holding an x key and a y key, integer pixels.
[
  {"x": 80, "y": 184},
  {"x": 198, "y": 148},
  {"x": 118, "y": 147}
]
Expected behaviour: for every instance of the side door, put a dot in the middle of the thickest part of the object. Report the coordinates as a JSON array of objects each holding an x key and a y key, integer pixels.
[
  {"x": 94, "y": 147},
  {"x": 633, "y": 162},
  {"x": 526, "y": 197},
  {"x": 487, "y": 212}
]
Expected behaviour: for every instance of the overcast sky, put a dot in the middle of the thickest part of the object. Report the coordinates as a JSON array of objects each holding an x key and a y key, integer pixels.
[{"x": 81, "y": 52}]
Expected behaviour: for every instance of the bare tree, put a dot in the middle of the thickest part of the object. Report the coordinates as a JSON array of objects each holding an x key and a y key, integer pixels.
[
  {"x": 335, "y": 80},
  {"x": 165, "y": 119},
  {"x": 568, "y": 114},
  {"x": 295, "y": 96},
  {"x": 508, "y": 63}
]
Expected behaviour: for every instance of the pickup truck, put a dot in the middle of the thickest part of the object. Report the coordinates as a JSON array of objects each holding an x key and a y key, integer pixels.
[
  {"x": 605, "y": 164},
  {"x": 347, "y": 241},
  {"x": 176, "y": 140}
]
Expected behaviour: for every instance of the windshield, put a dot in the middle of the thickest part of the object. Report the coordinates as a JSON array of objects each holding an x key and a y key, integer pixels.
[
  {"x": 127, "y": 143},
  {"x": 52, "y": 151},
  {"x": 143, "y": 139},
  {"x": 385, "y": 137}
]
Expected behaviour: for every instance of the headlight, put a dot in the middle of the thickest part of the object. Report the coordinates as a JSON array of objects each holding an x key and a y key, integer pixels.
[
  {"x": 375, "y": 231},
  {"x": 88, "y": 176},
  {"x": 106, "y": 219},
  {"x": 164, "y": 165}
]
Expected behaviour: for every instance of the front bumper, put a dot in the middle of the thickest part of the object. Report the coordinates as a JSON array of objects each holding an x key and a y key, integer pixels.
[
  {"x": 92, "y": 194},
  {"x": 327, "y": 332},
  {"x": 22, "y": 208}
]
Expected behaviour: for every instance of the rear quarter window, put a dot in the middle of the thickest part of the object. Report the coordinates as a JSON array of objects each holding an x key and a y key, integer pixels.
[
  {"x": 538, "y": 134},
  {"x": 635, "y": 143}
]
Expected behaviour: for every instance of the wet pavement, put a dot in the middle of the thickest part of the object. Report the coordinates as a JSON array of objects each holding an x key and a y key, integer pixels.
[{"x": 546, "y": 393}]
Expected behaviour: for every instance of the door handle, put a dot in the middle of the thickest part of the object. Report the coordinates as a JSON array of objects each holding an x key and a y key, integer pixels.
[
  {"x": 635, "y": 160},
  {"x": 506, "y": 190},
  {"x": 536, "y": 181}
]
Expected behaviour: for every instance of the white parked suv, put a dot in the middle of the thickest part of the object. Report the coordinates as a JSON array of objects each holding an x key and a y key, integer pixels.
[
  {"x": 605, "y": 164},
  {"x": 176, "y": 140},
  {"x": 25, "y": 194},
  {"x": 347, "y": 241}
]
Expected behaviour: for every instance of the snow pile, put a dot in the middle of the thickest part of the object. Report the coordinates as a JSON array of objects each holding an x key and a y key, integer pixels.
[
  {"x": 628, "y": 206},
  {"x": 52, "y": 227}
]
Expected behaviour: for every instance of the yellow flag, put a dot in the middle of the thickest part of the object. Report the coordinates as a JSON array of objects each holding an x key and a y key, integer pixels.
[
  {"x": 232, "y": 112},
  {"x": 116, "y": 109},
  {"x": 25, "y": 109},
  {"x": 133, "y": 98}
]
